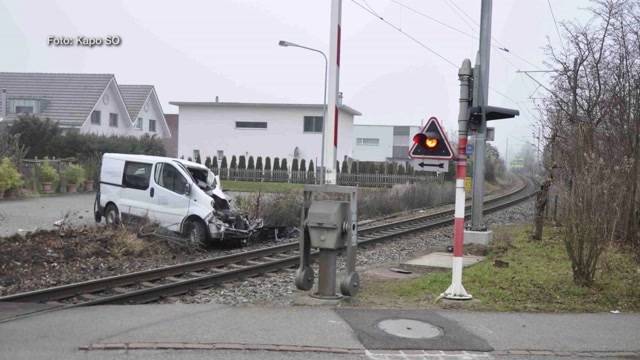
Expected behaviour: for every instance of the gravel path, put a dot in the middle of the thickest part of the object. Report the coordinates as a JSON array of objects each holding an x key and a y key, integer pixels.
[{"x": 278, "y": 288}]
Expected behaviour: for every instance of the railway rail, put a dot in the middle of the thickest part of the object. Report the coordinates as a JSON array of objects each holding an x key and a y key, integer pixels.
[{"x": 149, "y": 285}]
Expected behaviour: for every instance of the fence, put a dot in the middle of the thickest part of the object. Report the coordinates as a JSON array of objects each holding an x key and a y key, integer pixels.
[
  {"x": 311, "y": 177},
  {"x": 30, "y": 170}
]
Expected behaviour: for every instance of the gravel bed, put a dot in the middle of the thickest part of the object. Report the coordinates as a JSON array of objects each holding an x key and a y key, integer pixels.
[{"x": 278, "y": 288}]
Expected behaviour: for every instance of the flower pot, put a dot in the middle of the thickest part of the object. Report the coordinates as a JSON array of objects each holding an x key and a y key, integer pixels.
[
  {"x": 72, "y": 188},
  {"x": 47, "y": 187},
  {"x": 88, "y": 185}
]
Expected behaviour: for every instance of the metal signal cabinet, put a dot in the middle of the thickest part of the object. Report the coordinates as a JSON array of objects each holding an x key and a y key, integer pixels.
[
  {"x": 327, "y": 222},
  {"x": 331, "y": 227}
]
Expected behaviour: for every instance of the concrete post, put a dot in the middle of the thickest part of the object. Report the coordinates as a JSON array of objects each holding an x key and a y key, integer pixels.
[{"x": 477, "y": 221}]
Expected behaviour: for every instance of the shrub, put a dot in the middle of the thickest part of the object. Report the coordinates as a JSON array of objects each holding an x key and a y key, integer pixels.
[
  {"x": 303, "y": 165},
  {"x": 276, "y": 163},
  {"x": 242, "y": 162},
  {"x": 234, "y": 162},
  {"x": 214, "y": 163},
  {"x": 251, "y": 164},
  {"x": 74, "y": 174},
  {"x": 294, "y": 165},
  {"x": 223, "y": 164},
  {"x": 91, "y": 166},
  {"x": 259, "y": 163},
  {"x": 267, "y": 163},
  {"x": 10, "y": 178},
  {"x": 48, "y": 174},
  {"x": 207, "y": 162},
  {"x": 283, "y": 164},
  {"x": 345, "y": 167}
]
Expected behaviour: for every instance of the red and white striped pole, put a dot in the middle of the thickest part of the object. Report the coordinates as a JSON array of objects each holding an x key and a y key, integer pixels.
[
  {"x": 331, "y": 128},
  {"x": 456, "y": 291}
]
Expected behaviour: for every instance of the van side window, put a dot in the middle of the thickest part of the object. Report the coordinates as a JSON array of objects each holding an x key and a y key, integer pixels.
[
  {"x": 136, "y": 175},
  {"x": 170, "y": 178}
]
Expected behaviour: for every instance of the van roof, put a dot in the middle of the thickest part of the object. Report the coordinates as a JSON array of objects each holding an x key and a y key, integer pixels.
[{"x": 151, "y": 158}]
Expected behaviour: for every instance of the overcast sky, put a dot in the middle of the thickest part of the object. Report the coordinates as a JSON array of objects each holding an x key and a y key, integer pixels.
[{"x": 196, "y": 50}]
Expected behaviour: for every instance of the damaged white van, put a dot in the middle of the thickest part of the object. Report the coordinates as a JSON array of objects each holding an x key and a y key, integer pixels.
[{"x": 181, "y": 196}]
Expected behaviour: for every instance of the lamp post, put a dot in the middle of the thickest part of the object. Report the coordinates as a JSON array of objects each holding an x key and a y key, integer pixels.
[{"x": 324, "y": 98}]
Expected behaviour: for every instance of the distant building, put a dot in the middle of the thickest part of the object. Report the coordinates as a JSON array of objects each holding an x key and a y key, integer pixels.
[
  {"x": 171, "y": 143},
  {"x": 382, "y": 142},
  {"x": 88, "y": 103},
  {"x": 259, "y": 129}
]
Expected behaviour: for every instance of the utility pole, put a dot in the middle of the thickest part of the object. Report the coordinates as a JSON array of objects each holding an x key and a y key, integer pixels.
[
  {"x": 330, "y": 127},
  {"x": 481, "y": 99}
]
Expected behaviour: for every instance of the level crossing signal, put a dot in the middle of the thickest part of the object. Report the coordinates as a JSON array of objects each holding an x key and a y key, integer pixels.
[{"x": 431, "y": 143}]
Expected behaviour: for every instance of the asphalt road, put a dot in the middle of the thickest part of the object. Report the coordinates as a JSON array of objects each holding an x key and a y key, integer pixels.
[{"x": 41, "y": 213}]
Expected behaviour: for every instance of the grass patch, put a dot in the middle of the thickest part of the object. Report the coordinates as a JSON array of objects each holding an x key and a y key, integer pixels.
[
  {"x": 250, "y": 186},
  {"x": 538, "y": 278}
]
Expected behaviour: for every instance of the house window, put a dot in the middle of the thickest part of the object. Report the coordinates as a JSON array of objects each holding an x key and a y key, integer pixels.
[
  {"x": 152, "y": 125},
  {"x": 251, "y": 125},
  {"x": 400, "y": 152},
  {"x": 113, "y": 120},
  {"x": 24, "y": 109},
  {"x": 138, "y": 124},
  {"x": 401, "y": 130},
  {"x": 24, "y": 106},
  {"x": 95, "y": 117},
  {"x": 368, "y": 141},
  {"x": 313, "y": 124}
]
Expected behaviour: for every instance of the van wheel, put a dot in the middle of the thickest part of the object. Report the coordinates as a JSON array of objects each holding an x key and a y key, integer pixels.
[
  {"x": 111, "y": 215},
  {"x": 196, "y": 232}
]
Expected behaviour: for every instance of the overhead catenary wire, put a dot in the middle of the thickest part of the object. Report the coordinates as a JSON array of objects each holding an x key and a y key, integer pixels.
[
  {"x": 422, "y": 44},
  {"x": 555, "y": 22},
  {"x": 409, "y": 36}
]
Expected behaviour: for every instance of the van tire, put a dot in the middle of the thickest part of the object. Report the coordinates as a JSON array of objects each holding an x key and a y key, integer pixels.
[
  {"x": 111, "y": 215},
  {"x": 196, "y": 232}
]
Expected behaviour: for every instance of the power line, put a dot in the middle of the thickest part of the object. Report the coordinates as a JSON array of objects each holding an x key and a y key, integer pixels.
[
  {"x": 411, "y": 37},
  {"x": 434, "y": 19},
  {"x": 555, "y": 23},
  {"x": 405, "y": 34},
  {"x": 499, "y": 45}
]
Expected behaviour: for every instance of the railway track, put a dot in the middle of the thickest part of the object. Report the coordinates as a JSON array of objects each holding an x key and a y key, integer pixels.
[{"x": 149, "y": 285}]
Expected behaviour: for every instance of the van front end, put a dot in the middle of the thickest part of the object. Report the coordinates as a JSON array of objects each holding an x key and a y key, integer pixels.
[{"x": 229, "y": 226}]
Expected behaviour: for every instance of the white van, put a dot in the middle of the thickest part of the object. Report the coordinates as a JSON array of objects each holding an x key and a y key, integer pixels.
[{"x": 179, "y": 195}]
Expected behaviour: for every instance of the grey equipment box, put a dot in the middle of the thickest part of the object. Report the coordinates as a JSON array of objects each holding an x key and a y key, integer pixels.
[{"x": 327, "y": 221}]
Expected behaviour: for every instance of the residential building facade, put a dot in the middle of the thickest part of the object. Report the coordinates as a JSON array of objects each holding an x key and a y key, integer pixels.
[
  {"x": 88, "y": 103},
  {"x": 382, "y": 142},
  {"x": 259, "y": 129}
]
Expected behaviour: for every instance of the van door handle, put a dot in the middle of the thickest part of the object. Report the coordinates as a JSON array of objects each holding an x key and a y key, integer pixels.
[{"x": 151, "y": 192}]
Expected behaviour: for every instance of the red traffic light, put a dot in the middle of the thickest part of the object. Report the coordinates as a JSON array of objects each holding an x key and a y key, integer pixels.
[
  {"x": 419, "y": 138},
  {"x": 430, "y": 140}
]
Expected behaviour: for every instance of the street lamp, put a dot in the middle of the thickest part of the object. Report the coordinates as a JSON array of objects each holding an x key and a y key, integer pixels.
[{"x": 324, "y": 98}]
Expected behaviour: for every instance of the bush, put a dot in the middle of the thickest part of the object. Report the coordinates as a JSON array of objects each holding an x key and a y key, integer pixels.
[
  {"x": 267, "y": 163},
  {"x": 242, "y": 162},
  {"x": 234, "y": 162},
  {"x": 74, "y": 174},
  {"x": 45, "y": 139},
  {"x": 259, "y": 163},
  {"x": 10, "y": 178},
  {"x": 91, "y": 166},
  {"x": 214, "y": 163},
  {"x": 207, "y": 162},
  {"x": 223, "y": 164},
  {"x": 48, "y": 174},
  {"x": 251, "y": 164}
]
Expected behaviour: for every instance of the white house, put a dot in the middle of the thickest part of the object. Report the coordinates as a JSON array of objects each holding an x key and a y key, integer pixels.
[
  {"x": 88, "y": 103},
  {"x": 382, "y": 142},
  {"x": 259, "y": 129}
]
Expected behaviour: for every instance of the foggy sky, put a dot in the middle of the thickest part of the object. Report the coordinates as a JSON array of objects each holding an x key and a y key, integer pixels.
[{"x": 196, "y": 50}]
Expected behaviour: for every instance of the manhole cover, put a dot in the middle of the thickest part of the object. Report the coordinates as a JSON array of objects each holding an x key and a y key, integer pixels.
[{"x": 412, "y": 329}]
